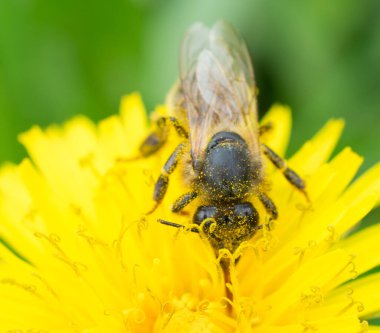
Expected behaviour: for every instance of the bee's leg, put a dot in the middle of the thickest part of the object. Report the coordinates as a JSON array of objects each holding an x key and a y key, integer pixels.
[
  {"x": 265, "y": 128},
  {"x": 157, "y": 139},
  {"x": 153, "y": 143},
  {"x": 269, "y": 205},
  {"x": 183, "y": 201},
  {"x": 288, "y": 173},
  {"x": 172, "y": 121},
  {"x": 163, "y": 180}
]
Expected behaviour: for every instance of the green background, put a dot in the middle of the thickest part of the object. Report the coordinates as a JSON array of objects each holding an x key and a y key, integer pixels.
[{"x": 62, "y": 58}]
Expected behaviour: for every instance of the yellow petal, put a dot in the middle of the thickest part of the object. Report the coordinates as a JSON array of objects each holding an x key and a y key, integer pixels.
[
  {"x": 134, "y": 119},
  {"x": 316, "y": 151},
  {"x": 277, "y": 138},
  {"x": 362, "y": 243},
  {"x": 314, "y": 278},
  {"x": 364, "y": 292},
  {"x": 368, "y": 183},
  {"x": 99, "y": 263},
  {"x": 328, "y": 325}
]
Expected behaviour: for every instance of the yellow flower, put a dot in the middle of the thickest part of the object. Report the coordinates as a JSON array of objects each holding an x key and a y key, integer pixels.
[{"x": 89, "y": 260}]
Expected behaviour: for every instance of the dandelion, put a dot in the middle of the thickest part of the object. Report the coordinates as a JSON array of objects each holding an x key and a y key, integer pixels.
[{"x": 86, "y": 258}]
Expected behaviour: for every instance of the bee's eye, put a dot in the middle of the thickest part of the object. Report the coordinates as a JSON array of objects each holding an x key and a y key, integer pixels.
[
  {"x": 204, "y": 212},
  {"x": 246, "y": 210}
]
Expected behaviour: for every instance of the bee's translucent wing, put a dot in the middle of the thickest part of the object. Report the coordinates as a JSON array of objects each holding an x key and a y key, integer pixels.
[
  {"x": 217, "y": 85},
  {"x": 194, "y": 42}
]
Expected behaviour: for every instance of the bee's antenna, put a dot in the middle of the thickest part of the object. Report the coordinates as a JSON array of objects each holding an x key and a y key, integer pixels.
[{"x": 177, "y": 225}]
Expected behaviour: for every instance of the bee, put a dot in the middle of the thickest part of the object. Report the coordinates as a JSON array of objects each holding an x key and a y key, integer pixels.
[{"x": 214, "y": 112}]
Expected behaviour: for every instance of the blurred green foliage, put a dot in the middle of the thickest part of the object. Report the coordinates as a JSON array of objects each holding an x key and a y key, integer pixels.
[{"x": 61, "y": 58}]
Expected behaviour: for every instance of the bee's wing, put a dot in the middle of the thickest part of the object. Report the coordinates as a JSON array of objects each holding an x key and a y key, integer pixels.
[{"x": 218, "y": 86}]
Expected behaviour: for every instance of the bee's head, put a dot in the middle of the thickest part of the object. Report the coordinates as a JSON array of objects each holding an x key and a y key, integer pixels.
[{"x": 227, "y": 226}]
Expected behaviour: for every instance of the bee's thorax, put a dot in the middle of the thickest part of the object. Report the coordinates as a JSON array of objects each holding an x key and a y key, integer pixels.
[{"x": 227, "y": 173}]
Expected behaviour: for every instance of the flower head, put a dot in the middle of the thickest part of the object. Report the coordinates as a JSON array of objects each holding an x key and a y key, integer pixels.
[{"x": 90, "y": 260}]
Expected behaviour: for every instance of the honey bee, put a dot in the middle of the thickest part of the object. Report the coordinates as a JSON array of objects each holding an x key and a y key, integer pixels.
[{"x": 214, "y": 112}]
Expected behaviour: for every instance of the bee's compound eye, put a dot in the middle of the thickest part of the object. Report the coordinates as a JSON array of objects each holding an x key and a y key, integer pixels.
[
  {"x": 203, "y": 213},
  {"x": 246, "y": 211}
]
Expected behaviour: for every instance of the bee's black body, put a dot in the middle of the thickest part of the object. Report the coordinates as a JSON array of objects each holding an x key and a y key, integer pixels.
[
  {"x": 225, "y": 179},
  {"x": 214, "y": 111},
  {"x": 227, "y": 173}
]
